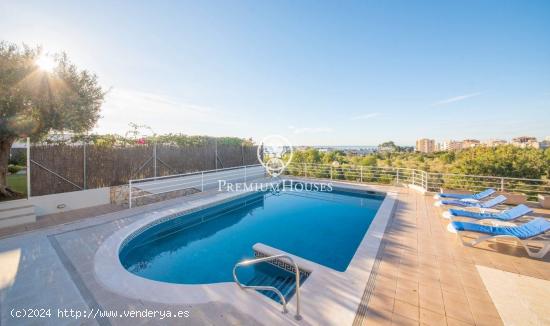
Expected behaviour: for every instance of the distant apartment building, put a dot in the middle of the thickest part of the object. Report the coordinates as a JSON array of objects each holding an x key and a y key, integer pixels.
[
  {"x": 469, "y": 143},
  {"x": 425, "y": 145},
  {"x": 450, "y": 145},
  {"x": 545, "y": 143},
  {"x": 525, "y": 142},
  {"x": 495, "y": 142}
]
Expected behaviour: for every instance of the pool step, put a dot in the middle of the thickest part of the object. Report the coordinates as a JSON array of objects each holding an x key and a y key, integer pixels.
[
  {"x": 16, "y": 212},
  {"x": 269, "y": 275}
]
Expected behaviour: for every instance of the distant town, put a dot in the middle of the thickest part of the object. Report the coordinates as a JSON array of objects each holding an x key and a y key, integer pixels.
[{"x": 425, "y": 145}]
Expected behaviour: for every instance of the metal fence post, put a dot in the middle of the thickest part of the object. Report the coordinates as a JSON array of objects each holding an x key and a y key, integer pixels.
[
  {"x": 426, "y": 181},
  {"x": 305, "y": 170},
  {"x": 397, "y": 177},
  {"x": 155, "y": 159},
  {"x": 361, "y": 173},
  {"x": 216, "y": 152},
  {"x": 245, "y": 174},
  {"x": 84, "y": 166},
  {"x": 202, "y": 180},
  {"x": 502, "y": 184},
  {"x": 331, "y": 172},
  {"x": 130, "y": 194},
  {"x": 28, "y": 168},
  {"x": 242, "y": 153}
]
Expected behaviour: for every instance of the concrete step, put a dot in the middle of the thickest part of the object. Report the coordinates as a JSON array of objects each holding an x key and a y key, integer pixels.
[
  {"x": 8, "y": 204},
  {"x": 17, "y": 220},
  {"x": 16, "y": 212},
  {"x": 10, "y": 212}
]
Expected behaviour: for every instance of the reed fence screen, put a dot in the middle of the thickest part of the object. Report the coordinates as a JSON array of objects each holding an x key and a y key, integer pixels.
[{"x": 63, "y": 168}]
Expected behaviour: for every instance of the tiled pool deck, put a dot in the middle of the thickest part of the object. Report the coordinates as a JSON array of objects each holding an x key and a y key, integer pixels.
[
  {"x": 422, "y": 275},
  {"x": 426, "y": 276}
]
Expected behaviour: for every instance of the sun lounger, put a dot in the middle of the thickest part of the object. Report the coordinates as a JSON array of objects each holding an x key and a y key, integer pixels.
[
  {"x": 475, "y": 197},
  {"x": 507, "y": 215},
  {"x": 481, "y": 205},
  {"x": 524, "y": 234}
]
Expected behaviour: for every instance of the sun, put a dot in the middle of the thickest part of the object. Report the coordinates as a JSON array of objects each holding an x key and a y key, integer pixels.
[{"x": 46, "y": 63}]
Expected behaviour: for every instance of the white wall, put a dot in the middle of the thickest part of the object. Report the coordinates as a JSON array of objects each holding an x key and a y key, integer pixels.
[
  {"x": 48, "y": 204},
  {"x": 194, "y": 180}
]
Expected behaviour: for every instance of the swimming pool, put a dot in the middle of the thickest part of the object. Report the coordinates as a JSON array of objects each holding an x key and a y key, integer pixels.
[{"x": 202, "y": 247}]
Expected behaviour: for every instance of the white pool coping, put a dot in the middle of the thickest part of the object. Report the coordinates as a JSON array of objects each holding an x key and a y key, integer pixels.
[{"x": 329, "y": 297}]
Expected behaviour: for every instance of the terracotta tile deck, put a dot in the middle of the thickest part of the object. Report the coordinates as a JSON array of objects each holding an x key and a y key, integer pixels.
[{"x": 425, "y": 275}]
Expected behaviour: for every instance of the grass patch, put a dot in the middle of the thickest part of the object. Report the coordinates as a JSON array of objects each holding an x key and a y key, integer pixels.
[{"x": 18, "y": 182}]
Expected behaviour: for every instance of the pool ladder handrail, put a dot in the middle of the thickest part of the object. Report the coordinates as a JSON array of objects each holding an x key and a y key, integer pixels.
[{"x": 271, "y": 288}]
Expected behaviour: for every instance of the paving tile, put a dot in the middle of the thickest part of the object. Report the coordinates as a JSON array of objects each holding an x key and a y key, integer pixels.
[
  {"x": 378, "y": 290},
  {"x": 482, "y": 310},
  {"x": 488, "y": 321},
  {"x": 457, "y": 287},
  {"x": 407, "y": 295},
  {"x": 381, "y": 302},
  {"x": 429, "y": 279},
  {"x": 389, "y": 280},
  {"x": 406, "y": 309},
  {"x": 379, "y": 316},
  {"x": 432, "y": 304},
  {"x": 407, "y": 284},
  {"x": 477, "y": 293},
  {"x": 449, "y": 297},
  {"x": 455, "y": 322},
  {"x": 429, "y": 317},
  {"x": 457, "y": 307},
  {"x": 400, "y": 320}
]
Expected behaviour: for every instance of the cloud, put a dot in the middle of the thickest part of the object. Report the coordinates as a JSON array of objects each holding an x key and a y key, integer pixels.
[
  {"x": 457, "y": 98},
  {"x": 310, "y": 130},
  {"x": 365, "y": 116},
  {"x": 144, "y": 101},
  {"x": 162, "y": 113}
]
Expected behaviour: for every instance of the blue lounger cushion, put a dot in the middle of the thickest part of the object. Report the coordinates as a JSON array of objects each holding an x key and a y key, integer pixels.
[
  {"x": 480, "y": 195},
  {"x": 486, "y": 204},
  {"x": 507, "y": 215},
  {"x": 530, "y": 229}
]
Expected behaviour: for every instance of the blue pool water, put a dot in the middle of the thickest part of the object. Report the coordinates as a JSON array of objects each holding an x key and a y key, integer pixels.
[{"x": 202, "y": 247}]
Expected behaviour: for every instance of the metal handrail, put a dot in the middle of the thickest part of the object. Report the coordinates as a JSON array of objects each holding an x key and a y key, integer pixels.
[
  {"x": 429, "y": 181},
  {"x": 195, "y": 172},
  {"x": 194, "y": 179},
  {"x": 271, "y": 288}
]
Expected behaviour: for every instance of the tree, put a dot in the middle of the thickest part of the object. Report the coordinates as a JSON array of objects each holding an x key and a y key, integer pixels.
[
  {"x": 35, "y": 100},
  {"x": 333, "y": 156},
  {"x": 369, "y": 160},
  {"x": 312, "y": 155},
  {"x": 388, "y": 146},
  {"x": 503, "y": 161}
]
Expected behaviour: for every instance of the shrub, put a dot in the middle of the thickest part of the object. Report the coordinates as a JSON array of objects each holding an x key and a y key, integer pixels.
[
  {"x": 18, "y": 156},
  {"x": 14, "y": 168}
]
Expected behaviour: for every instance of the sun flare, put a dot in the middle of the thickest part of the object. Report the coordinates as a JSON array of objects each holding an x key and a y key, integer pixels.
[{"x": 46, "y": 63}]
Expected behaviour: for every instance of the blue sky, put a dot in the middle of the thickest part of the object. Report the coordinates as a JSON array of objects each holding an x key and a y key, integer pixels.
[{"x": 334, "y": 73}]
